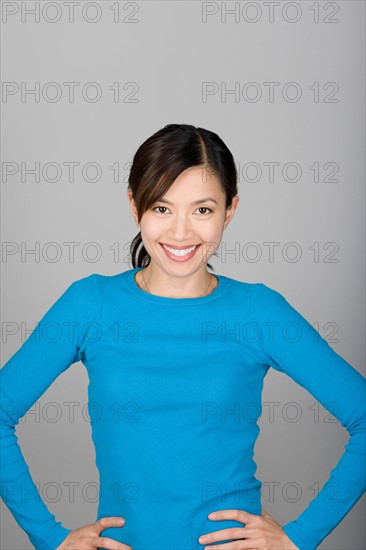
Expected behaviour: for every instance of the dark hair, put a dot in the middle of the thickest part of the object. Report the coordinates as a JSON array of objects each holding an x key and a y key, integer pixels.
[{"x": 163, "y": 157}]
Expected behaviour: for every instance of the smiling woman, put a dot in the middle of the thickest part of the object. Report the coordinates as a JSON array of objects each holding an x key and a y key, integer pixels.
[{"x": 176, "y": 358}]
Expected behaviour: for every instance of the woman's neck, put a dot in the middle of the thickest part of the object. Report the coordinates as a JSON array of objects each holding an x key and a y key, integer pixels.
[{"x": 158, "y": 283}]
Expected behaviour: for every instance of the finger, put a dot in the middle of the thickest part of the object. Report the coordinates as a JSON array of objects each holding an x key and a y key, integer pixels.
[
  {"x": 111, "y": 544},
  {"x": 243, "y": 545},
  {"x": 224, "y": 534},
  {"x": 238, "y": 515},
  {"x": 105, "y": 522}
]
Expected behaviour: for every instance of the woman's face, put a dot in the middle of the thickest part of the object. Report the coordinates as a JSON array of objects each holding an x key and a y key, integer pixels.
[{"x": 183, "y": 218}]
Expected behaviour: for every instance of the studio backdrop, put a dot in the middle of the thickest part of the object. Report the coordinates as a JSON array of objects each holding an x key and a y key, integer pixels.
[{"x": 283, "y": 84}]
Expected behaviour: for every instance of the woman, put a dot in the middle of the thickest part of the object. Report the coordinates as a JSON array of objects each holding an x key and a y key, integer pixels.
[{"x": 171, "y": 350}]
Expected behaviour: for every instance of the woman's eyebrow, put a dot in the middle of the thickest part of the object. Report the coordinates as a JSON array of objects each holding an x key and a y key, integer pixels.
[{"x": 194, "y": 202}]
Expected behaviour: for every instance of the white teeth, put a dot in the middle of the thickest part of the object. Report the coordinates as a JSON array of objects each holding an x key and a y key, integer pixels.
[{"x": 183, "y": 252}]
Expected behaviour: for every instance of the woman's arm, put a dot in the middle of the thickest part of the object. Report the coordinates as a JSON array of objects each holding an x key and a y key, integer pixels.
[
  {"x": 54, "y": 345},
  {"x": 290, "y": 344}
]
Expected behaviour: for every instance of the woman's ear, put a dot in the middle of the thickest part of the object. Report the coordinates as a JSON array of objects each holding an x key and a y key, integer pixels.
[
  {"x": 230, "y": 211},
  {"x": 133, "y": 207}
]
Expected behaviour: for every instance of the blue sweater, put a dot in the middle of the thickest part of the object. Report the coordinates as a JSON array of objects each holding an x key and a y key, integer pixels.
[{"x": 175, "y": 390}]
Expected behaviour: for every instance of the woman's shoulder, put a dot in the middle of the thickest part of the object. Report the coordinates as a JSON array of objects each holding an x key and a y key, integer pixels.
[
  {"x": 258, "y": 290},
  {"x": 98, "y": 279}
]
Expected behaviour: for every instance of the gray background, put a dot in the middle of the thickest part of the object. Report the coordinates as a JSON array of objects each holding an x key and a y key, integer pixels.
[{"x": 168, "y": 52}]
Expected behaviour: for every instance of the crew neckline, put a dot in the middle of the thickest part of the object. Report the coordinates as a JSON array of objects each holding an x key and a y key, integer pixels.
[{"x": 166, "y": 300}]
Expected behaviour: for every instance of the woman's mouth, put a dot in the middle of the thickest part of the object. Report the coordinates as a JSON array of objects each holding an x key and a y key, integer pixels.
[{"x": 180, "y": 255}]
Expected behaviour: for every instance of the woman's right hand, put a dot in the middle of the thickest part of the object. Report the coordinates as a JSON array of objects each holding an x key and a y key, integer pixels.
[{"x": 87, "y": 537}]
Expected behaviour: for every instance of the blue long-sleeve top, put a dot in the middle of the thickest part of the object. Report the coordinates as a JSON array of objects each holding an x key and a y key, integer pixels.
[{"x": 165, "y": 375}]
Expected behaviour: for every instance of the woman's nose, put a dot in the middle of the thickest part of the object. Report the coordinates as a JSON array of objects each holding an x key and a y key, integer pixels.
[{"x": 180, "y": 229}]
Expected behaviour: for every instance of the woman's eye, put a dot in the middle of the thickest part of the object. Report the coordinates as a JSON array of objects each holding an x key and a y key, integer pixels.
[
  {"x": 200, "y": 208},
  {"x": 159, "y": 207},
  {"x": 205, "y": 208}
]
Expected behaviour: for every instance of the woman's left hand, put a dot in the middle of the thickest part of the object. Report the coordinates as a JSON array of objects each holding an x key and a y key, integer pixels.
[{"x": 259, "y": 532}]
